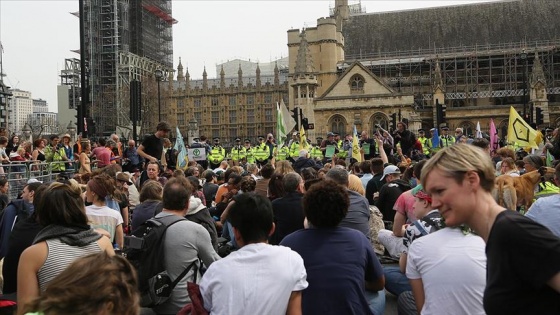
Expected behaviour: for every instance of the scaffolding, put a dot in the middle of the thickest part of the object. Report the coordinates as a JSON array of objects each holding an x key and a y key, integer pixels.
[
  {"x": 70, "y": 76},
  {"x": 116, "y": 30},
  {"x": 493, "y": 72}
]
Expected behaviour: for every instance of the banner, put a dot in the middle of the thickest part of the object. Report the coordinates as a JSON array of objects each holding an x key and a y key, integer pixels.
[
  {"x": 284, "y": 122},
  {"x": 182, "y": 159},
  {"x": 356, "y": 146},
  {"x": 494, "y": 139},
  {"x": 520, "y": 132},
  {"x": 197, "y": 154}
]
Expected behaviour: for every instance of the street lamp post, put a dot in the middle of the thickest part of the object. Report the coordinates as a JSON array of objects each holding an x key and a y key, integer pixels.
[
  {"x": 71, "y": 129},
  {"x": 159, "y": 77},
  {"x": 524, "y": 59}
]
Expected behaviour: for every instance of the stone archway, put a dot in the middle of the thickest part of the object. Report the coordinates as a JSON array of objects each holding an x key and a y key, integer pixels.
[{"x": 502, "y": 128}]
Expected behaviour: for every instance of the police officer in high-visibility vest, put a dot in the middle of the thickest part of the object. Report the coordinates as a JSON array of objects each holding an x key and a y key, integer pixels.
[
  {"x": 315, "y": 151},
  {"x": 262, "y": 152},
  {"x": 294, "y": 147},
  {"x": 281, "y": 153},
  {"x": 445, "y": 140},
  {"x": 217, "y": 154},
  {"x": 249, "y": 152},
  {"x": 238, "y": 152},
  {"x": 424, "y": 141}
]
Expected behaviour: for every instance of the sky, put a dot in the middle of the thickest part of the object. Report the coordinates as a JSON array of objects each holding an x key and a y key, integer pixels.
[{"x": 37, "y": 35}]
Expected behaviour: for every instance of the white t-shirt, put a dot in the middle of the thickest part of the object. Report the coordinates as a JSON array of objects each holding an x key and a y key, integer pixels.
[
  {"x": 104, "y": 218},
  {"x": 452, "y": 267},
  {"x": 256, "y": 279}
]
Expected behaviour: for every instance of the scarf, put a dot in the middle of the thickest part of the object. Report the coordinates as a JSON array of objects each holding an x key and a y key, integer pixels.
[{"x": 77, "y": 235}]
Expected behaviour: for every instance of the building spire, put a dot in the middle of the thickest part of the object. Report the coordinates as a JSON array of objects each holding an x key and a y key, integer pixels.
[
  {"x": 276, "y": 74},
  {"x": 258, "y": 72},
  {"x": 240, "y": 77},
  {"x": 204, "y": 79},
  {"x": 438, "y": 79},
  {"x": 180, "y": 76},
  {"x": 304, "y": 62},
  {"x": 537, "y": 72},
  {"x": 187, "y": 80}
]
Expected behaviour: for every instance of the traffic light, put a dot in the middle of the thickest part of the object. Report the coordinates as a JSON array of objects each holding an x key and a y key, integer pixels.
[
  {"x": 305, "y": 123},
  {"x": 539, "y": 119},
  {"x": 394, "y": 121},
  {"x": 296, "y": 116}
]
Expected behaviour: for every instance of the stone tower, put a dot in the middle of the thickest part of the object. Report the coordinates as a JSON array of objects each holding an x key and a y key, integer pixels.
[{"x": 537, "y": 90}]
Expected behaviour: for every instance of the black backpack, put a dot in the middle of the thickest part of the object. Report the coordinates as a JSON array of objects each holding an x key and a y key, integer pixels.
[{"x": 145, "y": 250}]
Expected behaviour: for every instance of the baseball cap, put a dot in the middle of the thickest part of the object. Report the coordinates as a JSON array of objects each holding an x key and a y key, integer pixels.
[
  {"x": 391, "y": 169},
  {"x": 33, "y": 180}
]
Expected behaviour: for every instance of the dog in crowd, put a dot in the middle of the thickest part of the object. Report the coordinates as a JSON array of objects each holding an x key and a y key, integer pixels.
[{"x": 512, "y": 191}]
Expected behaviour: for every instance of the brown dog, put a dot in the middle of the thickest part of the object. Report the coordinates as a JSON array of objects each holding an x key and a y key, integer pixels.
[{"x": 510, "y": 191}]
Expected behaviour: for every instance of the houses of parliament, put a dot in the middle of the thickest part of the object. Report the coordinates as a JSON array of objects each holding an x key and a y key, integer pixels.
[{"x": 357, "y": 68}]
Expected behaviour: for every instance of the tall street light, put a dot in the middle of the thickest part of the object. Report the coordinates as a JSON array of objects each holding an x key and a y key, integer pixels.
[
  {"x": 159, "y": 77},
  {"x": 523, "y": 57}
]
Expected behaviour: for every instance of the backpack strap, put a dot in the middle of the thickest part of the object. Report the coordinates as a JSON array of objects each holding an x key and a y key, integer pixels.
[
  {"x": 183, "y": 274},
  {"x": 419, "y": 226}
]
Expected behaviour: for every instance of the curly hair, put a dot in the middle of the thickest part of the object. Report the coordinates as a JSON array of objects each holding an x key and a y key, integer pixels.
[
  {"x": 248, "y": 184},
  {"x": 325, "y": 204},
  {"x": 112, "y": 278}
]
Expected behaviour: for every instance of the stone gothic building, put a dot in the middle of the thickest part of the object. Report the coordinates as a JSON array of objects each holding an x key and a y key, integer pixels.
[{"x": 359, "y": 69}]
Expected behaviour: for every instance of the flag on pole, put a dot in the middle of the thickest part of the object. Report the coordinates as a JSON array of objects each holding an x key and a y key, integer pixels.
[
  {"x": 302, "y": 139},
  {"x": 182, "y": 157},
  {"x": 478, "y": 131},
  {"x": 494, "y": 139},
  {"x": 435, "y": 139},
  {"x": 520, "y": 132},
  {"x": 284, "y": 122},
  {"x": 356, "y": 154}
]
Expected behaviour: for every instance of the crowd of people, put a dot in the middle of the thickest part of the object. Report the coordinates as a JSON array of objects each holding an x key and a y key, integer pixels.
[{"x": 288, "y": 229}]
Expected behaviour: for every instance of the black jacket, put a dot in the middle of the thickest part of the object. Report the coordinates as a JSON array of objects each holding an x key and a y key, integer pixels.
[
  {"x": 388, "y": 195},
  {"x": 288, "y": 216},
  {"x": 302, "y": 163}
]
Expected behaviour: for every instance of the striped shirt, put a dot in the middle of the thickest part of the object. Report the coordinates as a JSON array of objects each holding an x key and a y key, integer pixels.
[{"x": 60, "y": 256}]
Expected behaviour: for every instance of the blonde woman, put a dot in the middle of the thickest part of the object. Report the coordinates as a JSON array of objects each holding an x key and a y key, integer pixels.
[{"x": 523, "y": 257}]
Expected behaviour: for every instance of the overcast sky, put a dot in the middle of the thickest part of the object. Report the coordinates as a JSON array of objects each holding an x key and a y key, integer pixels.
[{"x": 38, "y": 35}]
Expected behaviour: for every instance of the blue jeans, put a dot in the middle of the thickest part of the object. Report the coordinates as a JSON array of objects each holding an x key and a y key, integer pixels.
[
  {"x": 396, "y": 282},
  {"x": 227, "y": 232},
  {"x": 376, "y": 301}
]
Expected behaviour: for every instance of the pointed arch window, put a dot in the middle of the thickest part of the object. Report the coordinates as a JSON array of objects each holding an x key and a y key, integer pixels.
[
  {"x": 338, "y": 124},
  {"x": 357, "y": 84}
]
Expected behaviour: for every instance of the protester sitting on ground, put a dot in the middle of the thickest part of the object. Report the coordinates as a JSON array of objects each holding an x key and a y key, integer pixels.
[
  {"x": 246, "y": 185},
  {"x": 94, "y": 284},
  {"x": 308, "y": 173},
  {"x": 16, "y": 211},
  {"x": 21, "y": 237},
  {"x": 262, "y": 184},
  {"x": 275, "y": 187},
  {"x": 185, "y": 242},
  {"x": 344, "y": 274},
  {"x": 153, "y": 170},
  {"x": 276, "y": 287},
  {"x": 209, "y": 188},
  {"x": 283, "y": 167},
  {"x": 508, "y": 167},
  {"x": 66, "y": 237},
  {"x": 546, "y": 210},
  {"x": 150, "y": 203},
  {"x": 288, "y": 210},
  {"x": 197, "y": 189},
  {"x": 392, "y": 240},
  {"x": 523, "y": 266},
  {"x": 99, "y": 215},
  {"x": 430, "y": 221},
  {"x": 222, "y": 189},
  {"x": 442, "y": 267},
  {"x": 303, "y": 161}
]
